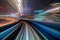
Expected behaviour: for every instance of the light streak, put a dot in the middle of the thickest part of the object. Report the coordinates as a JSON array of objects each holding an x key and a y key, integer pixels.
[{"x": 53, "y": 9}]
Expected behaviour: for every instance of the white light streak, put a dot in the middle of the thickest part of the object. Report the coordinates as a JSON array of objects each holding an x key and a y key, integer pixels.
[
  {"x": 51, "y": 10},
  {"x": 18, "y": 1},
  {"x": 27, "y": 37},
  {"x": 20, "y": 6}
]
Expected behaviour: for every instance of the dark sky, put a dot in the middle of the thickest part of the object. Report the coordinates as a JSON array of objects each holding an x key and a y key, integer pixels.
[{"x": 39, "y": 4}]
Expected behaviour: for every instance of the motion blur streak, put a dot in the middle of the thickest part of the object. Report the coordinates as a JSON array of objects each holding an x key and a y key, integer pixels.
[
  {"x": 8, "y": 31},
  {"x": 47, "y": 31},
  {"x": 53, "y": 9},
  {"x": 31, "y": 30}
]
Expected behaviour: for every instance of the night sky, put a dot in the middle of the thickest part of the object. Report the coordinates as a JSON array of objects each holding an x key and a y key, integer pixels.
[{"x": 39, "y": 4}]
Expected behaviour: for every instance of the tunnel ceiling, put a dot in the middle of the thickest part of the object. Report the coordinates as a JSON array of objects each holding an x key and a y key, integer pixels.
[
  {"x": 40, "y": 4},
  {"x": 37, "y": 4},
  {"x": 5, "y": 7}
]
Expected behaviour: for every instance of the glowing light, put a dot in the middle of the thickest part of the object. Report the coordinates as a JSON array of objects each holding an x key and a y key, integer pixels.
[
  {"x": 11, "y": 15},
  {"x": 1, "y": 8},
  {"x": 55, "y": 4},
  {"x": 20, "y": 6},
  {"x": 18, "y": 1},
  {"x": 51, "y": 10},
  {"x": 11, "y": 20},
  {"x": 40, "y": 12}
]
